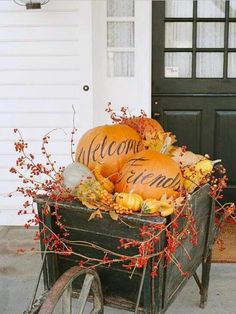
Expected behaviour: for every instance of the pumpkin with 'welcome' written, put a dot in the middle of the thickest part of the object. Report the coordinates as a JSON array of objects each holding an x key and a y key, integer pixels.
[
  {"x": 109, "y": 145},
  {"x": 150, "y": 174}
]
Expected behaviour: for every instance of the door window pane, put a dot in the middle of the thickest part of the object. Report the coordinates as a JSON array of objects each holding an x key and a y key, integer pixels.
[
  {"x": 120, "y": 8},
  {"x": 180, "y": 8},
  {"x": 178, "y": 35},
  {"x": 178, "y": 64},
  {"x": 209, "y": 64},
  {"x": 211, "y": 8},
  {"x": 210, "y": 35},
  {"x": 232, "y": 64},
  {"x": 232, "y": 8},
  {"x": 120, "y": 34},
  {"x": 120, "y": 64},
  {"x": 232, "y": 35}
]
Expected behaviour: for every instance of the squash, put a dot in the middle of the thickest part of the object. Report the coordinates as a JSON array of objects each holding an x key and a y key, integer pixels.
[
  {"x": 167, "y": 210},
  {"x": 129, "y": 200},
  {"x": 105, "y": 182},
  {"x": 109, "y": 145},
  {"x": 187, "y": 158},
  {"x": 150, "y": 206},
  {"x": 74, "y": 174},
  {"x": 150, "y": 174},
  {"x": 89, "y": 190},
  {"x": 197, "y": 174}
]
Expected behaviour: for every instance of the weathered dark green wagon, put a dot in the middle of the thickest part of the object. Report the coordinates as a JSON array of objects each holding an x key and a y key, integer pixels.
[{"x": 118, "y": 290}]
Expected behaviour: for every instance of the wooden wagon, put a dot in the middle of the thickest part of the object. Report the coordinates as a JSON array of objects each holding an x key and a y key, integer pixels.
[{"x": 112, "y": 285}]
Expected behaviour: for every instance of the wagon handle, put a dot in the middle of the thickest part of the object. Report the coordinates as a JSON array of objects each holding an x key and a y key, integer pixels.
[
  {"x": 140, "y": 290},
  {"x": 30, "y": 308}
]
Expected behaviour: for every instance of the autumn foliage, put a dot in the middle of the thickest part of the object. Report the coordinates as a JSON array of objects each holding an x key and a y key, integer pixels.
[{"x": 47, "y": 179}]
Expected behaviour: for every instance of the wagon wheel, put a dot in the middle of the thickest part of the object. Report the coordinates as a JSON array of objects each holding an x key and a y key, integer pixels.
[{"x": 62, "y": 290}]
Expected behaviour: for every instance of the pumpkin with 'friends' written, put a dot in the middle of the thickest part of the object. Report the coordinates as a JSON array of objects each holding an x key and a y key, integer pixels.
[
  {"x": 109, "y": 145},
  {"x": 150, "y": 174}
]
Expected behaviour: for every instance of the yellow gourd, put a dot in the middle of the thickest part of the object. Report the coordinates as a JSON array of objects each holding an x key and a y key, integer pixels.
[
  {"x": 150, "y": 206},
  {"x": 191, "y": 179},
  {"x": 129, "y": 200},
  {"x": 164, "y": 206},
  {"x": 193, "y": 176},
  {"x": 204, "y": 166},
  {"x": 168, "y": 210},
  {"x": 105, "y": 182}
]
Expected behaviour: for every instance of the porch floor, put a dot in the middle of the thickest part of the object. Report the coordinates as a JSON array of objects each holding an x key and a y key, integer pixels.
[{"x": 18, "y": 273}]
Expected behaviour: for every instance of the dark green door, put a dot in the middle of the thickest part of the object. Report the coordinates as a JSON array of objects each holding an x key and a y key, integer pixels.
[{"x": 194, "y": 77}]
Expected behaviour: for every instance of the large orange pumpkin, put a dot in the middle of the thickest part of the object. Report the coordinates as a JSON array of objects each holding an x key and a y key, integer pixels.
[
  {"x": 143, "y": 124},
  {"x": 110, "y": 145},
  {"x": 150, "y": 174}
]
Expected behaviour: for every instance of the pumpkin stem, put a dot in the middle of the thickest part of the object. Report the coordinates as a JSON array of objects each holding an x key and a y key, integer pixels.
[
  {"x": 214, "y": 162},
  {"x": 166, "y": 145}
]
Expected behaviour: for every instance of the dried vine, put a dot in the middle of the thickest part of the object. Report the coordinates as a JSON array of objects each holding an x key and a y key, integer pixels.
[{"x": 51, "y": 186}]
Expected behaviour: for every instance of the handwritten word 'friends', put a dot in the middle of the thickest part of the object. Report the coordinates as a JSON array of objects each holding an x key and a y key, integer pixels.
[{"x": 136, "y": 175}]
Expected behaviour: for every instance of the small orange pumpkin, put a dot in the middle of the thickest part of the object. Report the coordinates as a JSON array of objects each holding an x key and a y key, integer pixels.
[
  {"x": 150, "y": 174},
  {"x": 109, "y": 145}
]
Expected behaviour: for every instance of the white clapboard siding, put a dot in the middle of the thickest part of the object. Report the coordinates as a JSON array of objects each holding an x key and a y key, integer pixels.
[
  {"x": 39, "y": 92},
  {"x": 7, "y": 163},
  {"x": 44, "y": 77},
  {"x": 59, "y": 5},
  {"x": 38, "y": 17},
  {"x": 33, "y": 134},
  {"x": 40, "y": 105},
  {"x": 45, "y": 60},
  {"x": 38, "y": 48},
  {"x": 56, "y": 148},
  {"x": 36, "y": 120},
  {"x": 39, "y": 63},
  {"x": 69, "y": 33}
]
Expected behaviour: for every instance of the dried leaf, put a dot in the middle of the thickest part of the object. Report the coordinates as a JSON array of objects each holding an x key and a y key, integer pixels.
[
  {"x": 103, "y": 207},
  {"x": 96, "y": 214},
  {"x": 159, "y": 141},
  {"x": 89, "y": 205},
  {"x": 179, "y": 201},
  {"x": 113, "y": 215}
]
